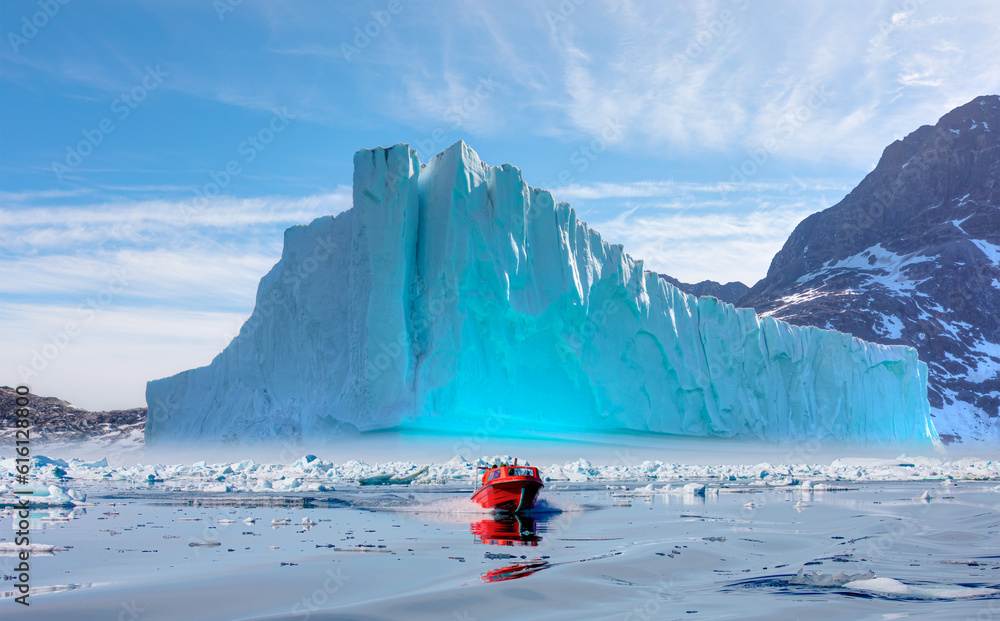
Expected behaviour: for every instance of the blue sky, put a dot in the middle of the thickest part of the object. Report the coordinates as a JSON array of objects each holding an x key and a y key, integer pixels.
[{"x": 696, "y": 133}]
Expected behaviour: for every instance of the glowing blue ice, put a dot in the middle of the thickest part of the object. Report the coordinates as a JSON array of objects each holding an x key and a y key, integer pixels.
[{"x": 454, "y": 297}]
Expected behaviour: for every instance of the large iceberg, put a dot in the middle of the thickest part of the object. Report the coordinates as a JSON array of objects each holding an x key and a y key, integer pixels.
[{"x": 453, "y": 297}]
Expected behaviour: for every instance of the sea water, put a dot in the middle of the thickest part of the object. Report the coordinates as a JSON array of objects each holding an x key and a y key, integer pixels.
[{"x": 592, "y": 550}]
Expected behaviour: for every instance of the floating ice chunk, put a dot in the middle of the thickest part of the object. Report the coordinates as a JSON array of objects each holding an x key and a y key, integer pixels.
[
  {"x": 926, "y": 497},
  {"x": 249, "y": 520},
  {"x": 43, "y": 495},
  {"x": 225, "y": 521},
  {"x": 890, "y": 586},
  {"x": 247, "y": 465},
  {"x": 204, "y": 544},
  {"x": 79, "y": 463},
  {"x": 393, "y": 479},
  {"x": 815, "y": 578},
  {"x": 694, "y": 489},
  {"x": 8, "y": 547},
  {"x": 287, "y": 484}
]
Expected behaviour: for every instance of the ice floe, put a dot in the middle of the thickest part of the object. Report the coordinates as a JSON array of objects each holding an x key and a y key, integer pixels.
[
  {"x": 38, "y": 494},
  {"x": 890, "y": 586},
  {"x": 314, "y": 474}
]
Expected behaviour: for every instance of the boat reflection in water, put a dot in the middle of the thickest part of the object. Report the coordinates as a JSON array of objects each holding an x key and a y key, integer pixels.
[
  {"x": 512, "y": 572},
  {"x": 509, "y": 530}
]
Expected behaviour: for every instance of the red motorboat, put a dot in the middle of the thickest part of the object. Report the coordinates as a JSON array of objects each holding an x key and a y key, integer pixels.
[{"x": 508, "y": 487}]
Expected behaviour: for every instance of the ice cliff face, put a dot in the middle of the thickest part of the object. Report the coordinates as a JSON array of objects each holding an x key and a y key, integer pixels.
[{"x": 453, "y": 297}]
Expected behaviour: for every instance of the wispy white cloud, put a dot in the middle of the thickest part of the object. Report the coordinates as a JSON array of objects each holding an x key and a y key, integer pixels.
[
  {"x": 690, "y": 245},
  {"x": 105, "y": 360},
  {"x": 133, "y": 278},
  {"x": 192, "y": 276},
  {"x": 673, "y": 188},
  {"x": 709, "y": 81},
  {"x": 169, "y": 253},
  {"x": 42, "y": 228},
  {"x": 29, "y": 196}
]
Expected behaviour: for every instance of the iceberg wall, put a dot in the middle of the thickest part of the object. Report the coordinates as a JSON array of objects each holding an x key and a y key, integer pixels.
[{"x": 453, "y": 295}]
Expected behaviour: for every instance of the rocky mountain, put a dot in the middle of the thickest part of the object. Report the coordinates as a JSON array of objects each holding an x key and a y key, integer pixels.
[
  {"x": 54, "y": 420},
  {"x": 731, "y": 292},
  {"x": 912, "y": 256}
]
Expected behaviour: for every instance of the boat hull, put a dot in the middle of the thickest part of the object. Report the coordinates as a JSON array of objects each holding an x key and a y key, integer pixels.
[{"x": 511, "y": 495}]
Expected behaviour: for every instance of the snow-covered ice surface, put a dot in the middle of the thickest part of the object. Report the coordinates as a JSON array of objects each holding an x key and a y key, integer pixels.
[
  {"x": 453, "y": 295},
  {"x": 614, "y": 542}
]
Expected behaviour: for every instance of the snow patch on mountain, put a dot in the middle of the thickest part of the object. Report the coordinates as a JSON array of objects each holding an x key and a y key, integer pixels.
[
  {"x": 882, "y": 266},
  {"x": 992, "y": 251}
]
